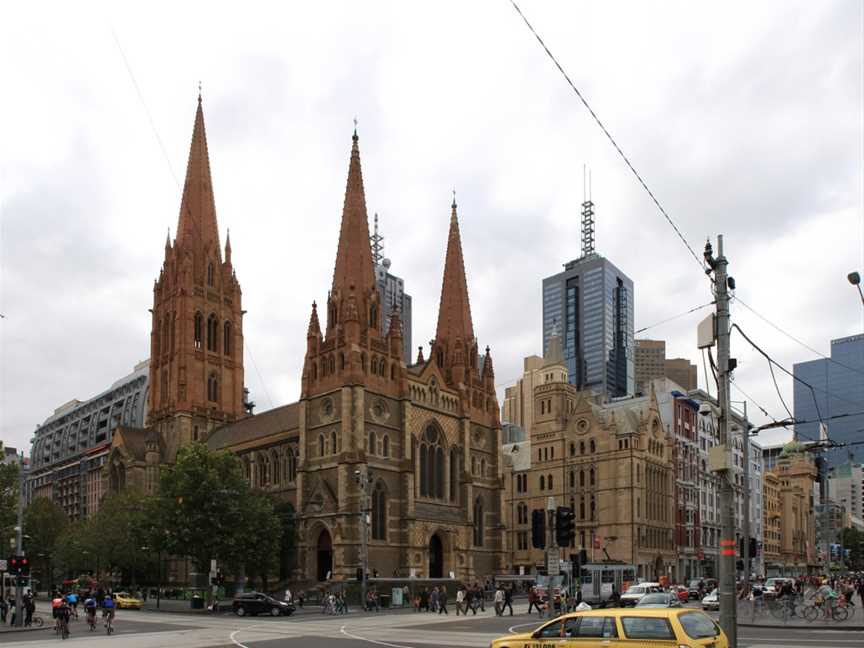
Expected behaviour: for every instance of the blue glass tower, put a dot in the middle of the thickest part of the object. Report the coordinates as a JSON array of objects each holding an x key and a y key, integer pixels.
[
  {"x": 590, "y": 304},
  {"x": 839, "y": 390}
]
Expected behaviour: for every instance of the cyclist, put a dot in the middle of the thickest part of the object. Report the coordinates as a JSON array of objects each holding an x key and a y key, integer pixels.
[
  {"x": 108, "y": 611},
  {"x": 72, "y": 600},
  {"x": 63, "y": 614},
  {"x": 90, "y": 611},
  {"x": 56, "y": 602}
]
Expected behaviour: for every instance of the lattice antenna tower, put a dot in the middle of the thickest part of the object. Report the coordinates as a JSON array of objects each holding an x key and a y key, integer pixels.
[
  {"x": 587, "y": 215},
  {"x": 377, "y": 242}
]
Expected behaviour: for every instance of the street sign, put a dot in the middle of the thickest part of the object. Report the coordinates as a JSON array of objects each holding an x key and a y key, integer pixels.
[{"x": 553, "y": 562}]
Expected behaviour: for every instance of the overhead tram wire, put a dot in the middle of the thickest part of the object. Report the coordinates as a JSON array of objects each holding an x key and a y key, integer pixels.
[
  {"x": 674, "y": 317},
  {"x": 660, "y": 207},
  {"x": 173, "y": 174},
  {"x": 795, "y": 339}
]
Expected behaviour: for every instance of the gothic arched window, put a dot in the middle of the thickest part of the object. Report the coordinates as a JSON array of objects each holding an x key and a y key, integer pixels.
[
  {"x": 198, "y": 329},
  {"x": 549, "y": 482},
  {"x": 209, "y": 274},
  {"x": 379, "y": 512},
  {"x": 542, "y": 482},
  {"x": 386, "y": 446},
  {"x": 363, "y": 362},
  {"x": 478, "y": 522},
  {"x": 333, "y": 448},
  {"x": 374, "y": 365},
  {"x": 591, "y": 477},
  {"x": 373, "y": 316},
  {"x": 320, "y": 445},
  {"x": 371, "y": 446},
  {"x": 581, "y": 478},
  {"x": 226, "y": 338},
  {"x": 212, "y": 329},
  {"x": 572, "y": 479},
  {"x": 166, "y": 333},
  {"x": 213, "y": 388},
  {"x": 157, "y": 335},
  {"x": 432, "y": 463}
]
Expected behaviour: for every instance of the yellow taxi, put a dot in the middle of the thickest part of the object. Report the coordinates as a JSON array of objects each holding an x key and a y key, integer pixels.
[
  {"x": 125, "y": 601},
  {"x": 623, "y": 628}
]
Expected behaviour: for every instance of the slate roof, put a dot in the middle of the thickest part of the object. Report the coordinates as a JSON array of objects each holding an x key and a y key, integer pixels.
[{"x": 274, "y": 421}]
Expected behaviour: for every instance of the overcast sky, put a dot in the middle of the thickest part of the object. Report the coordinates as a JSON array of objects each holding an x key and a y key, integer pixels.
[{"x": 745, "y": 118}]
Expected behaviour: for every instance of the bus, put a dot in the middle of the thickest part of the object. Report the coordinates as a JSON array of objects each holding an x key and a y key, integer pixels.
[{"x": 8, "y": 584}]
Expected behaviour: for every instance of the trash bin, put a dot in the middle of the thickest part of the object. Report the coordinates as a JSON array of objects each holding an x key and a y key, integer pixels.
[{"x": 197, "y": 602}]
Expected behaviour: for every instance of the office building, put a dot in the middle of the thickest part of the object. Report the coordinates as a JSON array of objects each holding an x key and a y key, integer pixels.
[
  {"x": 651, "y": 362},
  {"x": 838, "y": 389},
  {"x": 846, "y": 488},
  {"x": 591, "y": 303},
  {"x": 392, "y": 290}
]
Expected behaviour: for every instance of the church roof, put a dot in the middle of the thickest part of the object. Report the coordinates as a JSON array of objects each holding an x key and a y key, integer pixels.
[
  {"x": 251, "y": 428},
  {"x": 454, "y": 312},
  {"x": 354, "y": 255},
  {"x": 133, "y": 440}
]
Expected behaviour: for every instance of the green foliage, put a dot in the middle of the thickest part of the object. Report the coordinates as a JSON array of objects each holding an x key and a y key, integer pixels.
[
  {"x": 262, "y": 537},
  {"x": 853, "y": 540},
  {"x": 117, "y": 531},
  {"x": 44, "y": 522},
  {"x": 9, "y": 491},
  {"x": 75, "y": 549},
  {"x": 208, "y": 509}
]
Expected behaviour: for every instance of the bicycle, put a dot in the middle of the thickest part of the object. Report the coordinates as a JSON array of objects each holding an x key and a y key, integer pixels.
[
  {"x": 37, "y": 621},
  {"x": 829, "y": 612},
  {"x": 63, "y": 629},
  {"x": 785, "y": 608},
  {"x": 91, "y": 621},
  {"x": 109, "y": 624}
]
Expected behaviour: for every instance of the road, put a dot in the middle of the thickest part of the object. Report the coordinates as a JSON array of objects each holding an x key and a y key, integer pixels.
[{"x": 400, "y": 629}]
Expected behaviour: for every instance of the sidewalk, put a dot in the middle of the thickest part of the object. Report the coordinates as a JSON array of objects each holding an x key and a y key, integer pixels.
[{"x": 746, "y": 619}]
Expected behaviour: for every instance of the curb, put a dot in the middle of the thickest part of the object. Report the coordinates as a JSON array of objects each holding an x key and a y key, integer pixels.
[
  {"x": 839, "y": 626},
  {"x": 30, "y": 629}
]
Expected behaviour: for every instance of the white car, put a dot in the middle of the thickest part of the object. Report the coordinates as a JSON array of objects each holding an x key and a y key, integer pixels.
[
  {"x": 635, "y": 593},
  {"x": 773, "y": 585},
  {"x": 711, "y": 601}
]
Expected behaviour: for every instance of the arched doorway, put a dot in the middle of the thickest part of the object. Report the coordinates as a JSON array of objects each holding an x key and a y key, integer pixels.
[
  {"x": 658, "y": 568},
  {"x": 325, "y": 555},
  {"x": 436, "y": 557}
]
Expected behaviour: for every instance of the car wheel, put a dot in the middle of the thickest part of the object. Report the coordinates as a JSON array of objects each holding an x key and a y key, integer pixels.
[
  {"x": 240, "y": 611},
  {"x": 274, "y": 611}
]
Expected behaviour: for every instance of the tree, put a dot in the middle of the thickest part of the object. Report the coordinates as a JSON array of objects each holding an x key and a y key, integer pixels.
[
  {"x": 853, "y": 540},
  {"x": 75, "y": 550},
  {"x": 119, "y": 530},
  {"x": 44, "y": 522},
  {"x": 264, "y": 538},
  {"x": 201, "y": 504},
  {"x": 10, "y": 489}
]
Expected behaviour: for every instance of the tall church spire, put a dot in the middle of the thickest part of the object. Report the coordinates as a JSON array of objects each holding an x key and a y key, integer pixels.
[
  {"x": 454, "y": 312},
  {"x": 197, "y": 208},
  {"x": 354, "y": 255}
]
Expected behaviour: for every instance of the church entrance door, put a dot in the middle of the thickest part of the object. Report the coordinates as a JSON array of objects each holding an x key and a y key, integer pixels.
[
  {"x": 436, "y": 557},
  {"x": 325, "y": 555}
]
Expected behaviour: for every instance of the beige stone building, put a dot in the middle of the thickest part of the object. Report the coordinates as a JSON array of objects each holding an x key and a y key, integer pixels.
[
  {"x": 651, "y": 363},
  {"x": 796, "y": 472},
  {"x": 771, "y": 516},
  {"x": 518, "y": 406},
  {"x": 612, "y": 464}
]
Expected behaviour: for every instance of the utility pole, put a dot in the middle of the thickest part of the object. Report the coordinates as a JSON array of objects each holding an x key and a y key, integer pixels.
[
  {"x": 19, "y": 545},
  {"x": 722, "y": 284},
  {"x": 745, "y": 521}
]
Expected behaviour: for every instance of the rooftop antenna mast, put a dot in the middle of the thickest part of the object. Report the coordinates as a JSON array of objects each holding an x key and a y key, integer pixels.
[
  {"x": 587, "y": 215},
  {"x": 377, "y": 244}
]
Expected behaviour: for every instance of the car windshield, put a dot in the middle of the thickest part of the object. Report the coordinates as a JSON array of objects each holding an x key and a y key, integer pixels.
[
  {"x": 654, "y": 599},
  {"x": 636, "y": 589},
  {"x": 697, "y": 625},
  {"x": 713, "y": 594},
  {"x": 694, "y": 584}
]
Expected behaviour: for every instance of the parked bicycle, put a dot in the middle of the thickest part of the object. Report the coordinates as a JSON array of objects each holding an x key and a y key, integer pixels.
[{"x": 827, "y": 612}]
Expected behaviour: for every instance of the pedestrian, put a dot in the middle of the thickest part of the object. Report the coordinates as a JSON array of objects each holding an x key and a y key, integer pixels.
[
  {"x": 300, "y": 598},
  {"x": 424, "y": 600},
  {"x": 471, "y": 600},
  {"x": 499, "y": 601},
  {"x": 287, "y": 595},
  {"x": 12, "y": 608},
  {"x": 29, "y": 608},
  {"x": 4, "y": 608},
  {"x": 433, "y": 600},
  {"x": 442, "y": 601},
  {"x": 508, "y": 600},
  {"x": 533, "y": 600},
  {"x": 460, "y": 601},
  {"x": 481, "y": 595},
  {"x": 405, "y": 594}
]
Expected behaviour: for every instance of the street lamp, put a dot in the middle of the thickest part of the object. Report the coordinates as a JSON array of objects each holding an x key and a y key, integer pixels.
[{"x": 855, "y": 279}]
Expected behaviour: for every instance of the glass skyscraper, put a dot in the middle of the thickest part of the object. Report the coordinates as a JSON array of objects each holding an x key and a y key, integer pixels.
[
  {"x": 838, "y": 385},
  {"x": 590, "y": 304}
]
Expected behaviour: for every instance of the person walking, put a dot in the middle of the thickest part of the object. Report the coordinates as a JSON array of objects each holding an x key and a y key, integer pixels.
[
  {"x": 508, "y": 600},
  {"x": 433, "y": 600},
  {"x": 499, "y": 601},
  {"x": 287, "y": 595},
  {"x": 4, "y": 608},
  {"x": 481, "y": 596},
  {"x": 533, "y": 600},
  {"x": 460, "y": 601},
  {"x": 442, "y": 601}
]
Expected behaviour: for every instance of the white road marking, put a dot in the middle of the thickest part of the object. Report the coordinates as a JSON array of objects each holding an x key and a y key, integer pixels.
[
  {"x": 374, "y": 641},
  {"x": 512, "y": 630},
  {"x": 235, "y": 642}
]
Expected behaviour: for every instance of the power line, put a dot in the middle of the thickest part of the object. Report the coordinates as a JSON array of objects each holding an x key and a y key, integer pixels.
[
  {"x": 255, "y": 364},
  {"x": 611, "y": 139},
  {"x": 777, "y": 388},
  {"x": 771, "y": 360},
  {"x": 674, "y": 317},
  {"x": 795, "y": 339}
]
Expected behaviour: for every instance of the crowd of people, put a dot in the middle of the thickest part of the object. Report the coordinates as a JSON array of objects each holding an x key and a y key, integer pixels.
[{"x": 8, "y": 609}]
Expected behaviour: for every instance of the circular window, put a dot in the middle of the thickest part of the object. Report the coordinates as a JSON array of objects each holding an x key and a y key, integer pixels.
[
  {"x": 379, "y": 409},
  {"x": 582, "y": 426},
  {"x": 431, "y": 434}
]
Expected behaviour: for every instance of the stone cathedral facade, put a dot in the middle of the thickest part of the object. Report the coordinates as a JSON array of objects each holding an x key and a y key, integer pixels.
[{"x": 428, "y": 434}]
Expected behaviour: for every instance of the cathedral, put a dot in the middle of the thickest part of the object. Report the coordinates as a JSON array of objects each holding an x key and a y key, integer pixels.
[{"x": 423, "y": 439}]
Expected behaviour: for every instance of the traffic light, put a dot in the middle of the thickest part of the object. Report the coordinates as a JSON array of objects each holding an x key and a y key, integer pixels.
[
  {"x": 220, "y": 578},
  {"x": 13, "y": 565},
  {"x": 565, "y": 529},
  {"x": 23, "y": 566},
  {"x": 583, "y": 557},
  {"x": 538, "y": 529}
]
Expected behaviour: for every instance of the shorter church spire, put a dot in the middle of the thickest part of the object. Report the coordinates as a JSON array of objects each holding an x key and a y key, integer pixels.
[
  {"x": 228, "y": 247},
  {"x": 314, "y": 326}
]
